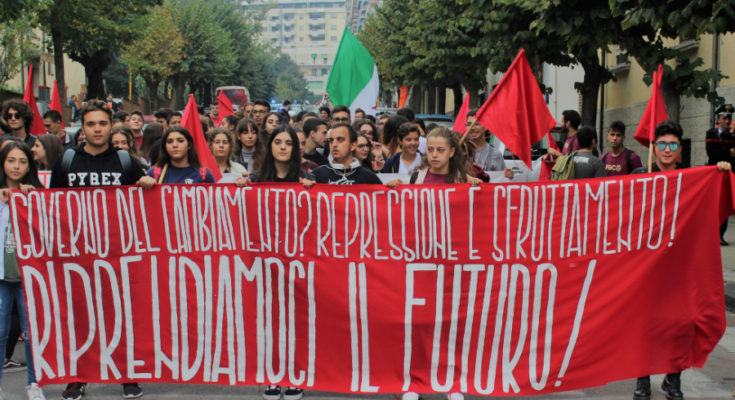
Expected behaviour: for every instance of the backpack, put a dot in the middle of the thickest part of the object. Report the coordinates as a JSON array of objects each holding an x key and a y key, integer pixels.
[
  {"x": 563, "y": 168},
  {"x": 158, "y": 172},
  {"x": 125, "y": 160}
]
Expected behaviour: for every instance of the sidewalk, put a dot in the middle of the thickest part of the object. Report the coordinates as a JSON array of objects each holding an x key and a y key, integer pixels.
[{"x": 728, "y": 266}]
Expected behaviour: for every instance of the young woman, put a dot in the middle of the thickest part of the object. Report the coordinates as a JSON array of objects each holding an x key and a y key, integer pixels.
[
  {"x": 445, "y": 161},
  {"x": 18, "y": 172},
  {"x": 367, "y": 128},
  {"x": 178, "y": 162},
  {"x": 249, "y": 146},
  {"x": 122, "y": 138},
  {"x": 408, "y": 159},
  {"x": 46, "y": 150},
  {"x": 282, "y": 159},
  {"x": 221, "y": 144},
  {"x": 151, "y": 135},
  {"x": 377, "y": 160},
  {"x": 271, "y": 121},
  {"x": 362, "y": 152},
  {"x": 389, "y": 138}
]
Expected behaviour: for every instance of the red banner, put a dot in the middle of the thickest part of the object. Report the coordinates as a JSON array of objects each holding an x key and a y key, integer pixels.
[{"x": 497, "y": 289}]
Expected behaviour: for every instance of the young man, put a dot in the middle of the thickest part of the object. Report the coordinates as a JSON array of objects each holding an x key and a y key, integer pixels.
[
  {"x": 136, "y": 125},
  {"x": 570, "y": 121},
  {"x": 19, "y": 118},
  {"x": 248, "y": 111},
  {"x": 325, "y": 113},
  {"x": 720, "y": 146},
  {"x": 666, "y": 150},
  {"x": 174, "y": 119},
  {"x": 162, "y": 116},
  {"x": 341, "y": 115},
  {"x": 260, "y": 109},
  {"x": 487, "y": 157},
  {"x": 214, "y": 114},
  {"x": 619, "y": 160},
  {"x": 359, "y": 114},
  {"x": 96, "y": 163},
  {"x": 344, "y": 169},
  {"x": 586, "y": 165},
  {"x": 315, "y": 130}
]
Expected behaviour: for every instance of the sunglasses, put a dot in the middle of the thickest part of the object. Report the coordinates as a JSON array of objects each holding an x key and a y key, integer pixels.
[
  {"x": 10, "y": 116},
  {"x": 673, "y": 146}
]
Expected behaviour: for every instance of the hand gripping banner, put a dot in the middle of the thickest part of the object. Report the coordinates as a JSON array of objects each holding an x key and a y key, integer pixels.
[{"x": 495, "y": 290}]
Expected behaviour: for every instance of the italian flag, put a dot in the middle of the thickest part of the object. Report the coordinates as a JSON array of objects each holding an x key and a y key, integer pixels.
[{"x": 353, "y": 81}]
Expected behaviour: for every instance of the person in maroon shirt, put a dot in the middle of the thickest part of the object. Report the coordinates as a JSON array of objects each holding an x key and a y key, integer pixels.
[
  {"x": 570, "y": 121},
  {"x": 619, "y": 160}
]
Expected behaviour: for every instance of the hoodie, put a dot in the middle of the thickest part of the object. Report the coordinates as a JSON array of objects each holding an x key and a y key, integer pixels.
[
  {"x": 337, "y": 174},
  {"x": 87, "y": 170}
]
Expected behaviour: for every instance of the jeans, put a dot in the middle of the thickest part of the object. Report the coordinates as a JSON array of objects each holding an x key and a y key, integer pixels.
[{"x": 12, "y": 293}]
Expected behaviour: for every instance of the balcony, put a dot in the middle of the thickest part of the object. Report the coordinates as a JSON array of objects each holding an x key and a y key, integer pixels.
[
  {"x": 317, "y": 38},
  {"x": 622, "y": 64},
  {"x": 317, "y": 27}
]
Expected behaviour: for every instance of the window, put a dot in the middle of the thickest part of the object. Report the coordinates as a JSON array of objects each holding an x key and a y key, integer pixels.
[
  {"x": 324, "y": 71},
  {"x": 313, "y": 72}
]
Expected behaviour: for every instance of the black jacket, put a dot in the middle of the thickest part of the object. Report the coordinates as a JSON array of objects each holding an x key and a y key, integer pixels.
[
  {"x": 336, "y": 175},
  {"x": 718, "y": 146}
]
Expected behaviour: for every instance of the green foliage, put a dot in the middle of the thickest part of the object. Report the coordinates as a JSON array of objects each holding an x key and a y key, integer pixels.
[
  {"x": 647, "y": 23},
  {"x": 90, "y": 31},
  {"x": 290, "y": 83},
  {"x": 16, "y": 46},
  {"x": 156, "y": 50},
  {"x": 208, "y": 47}
]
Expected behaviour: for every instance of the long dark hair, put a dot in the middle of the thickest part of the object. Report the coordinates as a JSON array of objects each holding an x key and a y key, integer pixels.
[
  {"x": 267, "y": 172},
  {"x": 31, "y": 177},
  {"x": 152, "y": 133},
  {"x": 243, "y": 126},
  {"x": 54, "y": 149},
  {"x": 457, "y": 163},
  {"x": 191, "y": 155}
]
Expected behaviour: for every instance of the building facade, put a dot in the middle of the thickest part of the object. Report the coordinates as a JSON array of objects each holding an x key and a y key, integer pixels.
[
  {"x": 626, "y": 97},
  {"x": 44, "y": 74},
  {"x": 307, "y": 31}
]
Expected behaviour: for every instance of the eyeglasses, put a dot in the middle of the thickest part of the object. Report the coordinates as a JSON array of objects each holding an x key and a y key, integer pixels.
[
  {"x": 10, "y": 116},
  {"x": 673, "y": 146},
  {"x": 340, "y": 120}
]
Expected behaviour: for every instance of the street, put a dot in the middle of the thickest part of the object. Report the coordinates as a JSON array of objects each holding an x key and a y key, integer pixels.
[{"x": 716, "y": 382}]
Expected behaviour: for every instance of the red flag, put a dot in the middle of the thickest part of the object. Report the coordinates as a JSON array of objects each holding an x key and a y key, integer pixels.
[
  {"x": 655, "y": 111},
  {"x": 29, "y": 97},
  {"x": 516, "y": 111},
  {"x": 193, "y": 124},
  {"x": 460, "y": 121},
  {"x": 224, "y": 105},
  {"x": 56, "y": 101},
  {"x": 402, "y": 96}
]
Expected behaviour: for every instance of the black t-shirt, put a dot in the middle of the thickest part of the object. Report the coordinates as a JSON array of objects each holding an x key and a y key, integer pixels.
[
  {"x": 87, "y": 170},
  {"x": 353, "y": 176}
]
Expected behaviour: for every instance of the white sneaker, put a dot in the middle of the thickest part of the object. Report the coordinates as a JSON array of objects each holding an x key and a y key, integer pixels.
[
  {"x": 410, "y": 396},
  {"x": 35, "y": 392},
  {"x": 455, "y": 396}
]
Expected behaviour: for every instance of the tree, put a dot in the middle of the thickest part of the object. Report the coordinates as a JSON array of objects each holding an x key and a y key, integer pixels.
[
  {"x": 290, "y": 83},
  {"x": 155, "y": 51},
  {"x": 16, "y": 46},
  {"x": 209, "y": 53},
  {"x": 89, "y": 32},
  {"x": 646, "y": 24}
]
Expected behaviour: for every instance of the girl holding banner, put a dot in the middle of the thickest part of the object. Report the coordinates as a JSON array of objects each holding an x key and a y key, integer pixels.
[
  {"x": 18, "y": 172},
  {"x": 178, "y": 162}
]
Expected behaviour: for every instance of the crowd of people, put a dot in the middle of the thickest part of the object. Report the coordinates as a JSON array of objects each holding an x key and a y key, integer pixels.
[{"x": 257, "y": 144}]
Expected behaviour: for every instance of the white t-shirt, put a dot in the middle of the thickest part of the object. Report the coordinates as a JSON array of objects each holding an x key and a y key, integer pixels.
[{"x": 404, "y": 168}]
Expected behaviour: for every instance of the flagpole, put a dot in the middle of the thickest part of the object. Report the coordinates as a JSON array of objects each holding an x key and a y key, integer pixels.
[
  {"x": 467, "y": 132},
  {"x": 650, "y": 156}
]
